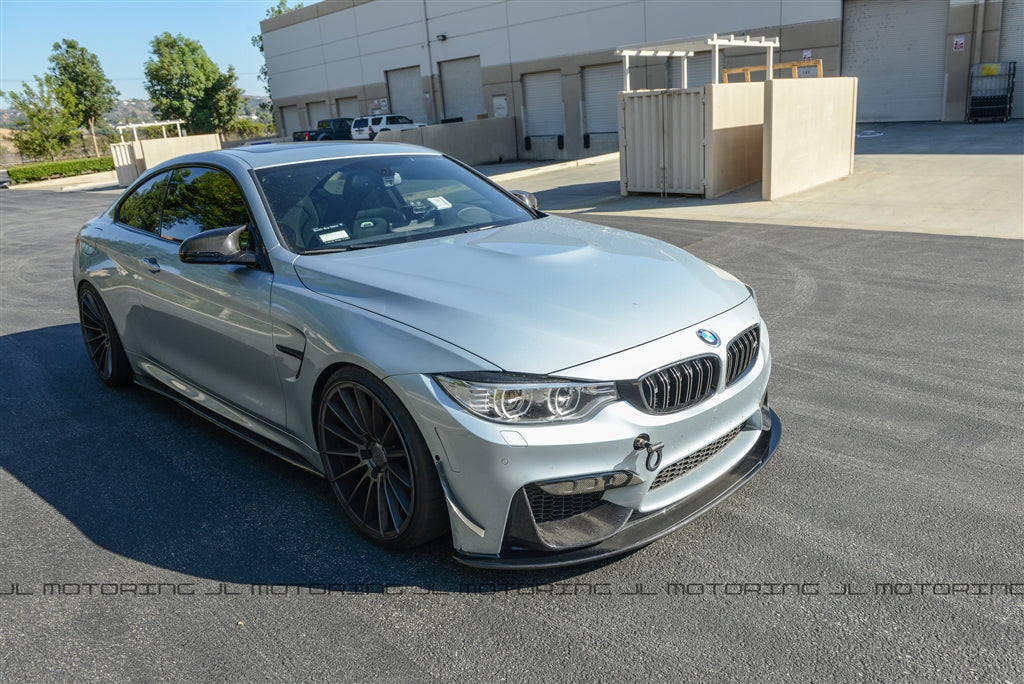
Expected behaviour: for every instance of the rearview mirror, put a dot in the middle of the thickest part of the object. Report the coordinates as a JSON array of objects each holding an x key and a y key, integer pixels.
[{"x": 220, "y": 246}]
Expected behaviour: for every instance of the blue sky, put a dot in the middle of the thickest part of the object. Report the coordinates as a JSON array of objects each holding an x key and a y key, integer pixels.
[{"x": 119, "y": 33}]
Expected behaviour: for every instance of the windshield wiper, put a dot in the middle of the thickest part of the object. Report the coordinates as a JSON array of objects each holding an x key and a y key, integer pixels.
[
  {"x": 347, "y": 248},
  {"x": 367, "y": 245}
]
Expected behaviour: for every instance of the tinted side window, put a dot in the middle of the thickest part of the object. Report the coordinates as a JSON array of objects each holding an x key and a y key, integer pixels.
[
  {"x": 141, "y": 209},
  {"x": 201, "y": 199}
]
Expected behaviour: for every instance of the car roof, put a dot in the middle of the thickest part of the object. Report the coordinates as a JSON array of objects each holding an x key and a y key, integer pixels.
[{"x": 276, "y": 154}]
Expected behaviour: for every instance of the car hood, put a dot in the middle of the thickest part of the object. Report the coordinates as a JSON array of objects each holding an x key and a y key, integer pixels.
[{"x": 532, "y": 297}]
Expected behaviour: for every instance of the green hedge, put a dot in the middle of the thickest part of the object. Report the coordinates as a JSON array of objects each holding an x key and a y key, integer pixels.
[{"x": 59, "y": 169}]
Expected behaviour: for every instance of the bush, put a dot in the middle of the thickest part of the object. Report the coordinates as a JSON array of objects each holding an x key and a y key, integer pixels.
[
  {"x": 59, "y": 169},
  {"x": 245, "y": 129}
]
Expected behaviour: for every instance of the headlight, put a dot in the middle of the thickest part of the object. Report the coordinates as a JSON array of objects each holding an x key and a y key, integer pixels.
[{"x": 523, "y": 399}]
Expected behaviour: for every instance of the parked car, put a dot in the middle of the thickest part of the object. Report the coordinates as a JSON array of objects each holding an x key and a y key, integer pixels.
[
  {"x": 327, "y": 129},
  {"x": 444, "y": 354},
  {"x": 367, "y": 127}
]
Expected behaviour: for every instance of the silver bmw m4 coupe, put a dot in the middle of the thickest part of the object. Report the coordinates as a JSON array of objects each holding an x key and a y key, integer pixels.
[{"x": 448, "y": 357}]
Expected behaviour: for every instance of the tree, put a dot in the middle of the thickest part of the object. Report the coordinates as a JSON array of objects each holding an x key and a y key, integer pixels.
[
  {"x": 82, "y": 89},
  {"x": 257, "y": 41},
  {"x": 43, "y": 128},
  {"x": 184, "y": 83}
]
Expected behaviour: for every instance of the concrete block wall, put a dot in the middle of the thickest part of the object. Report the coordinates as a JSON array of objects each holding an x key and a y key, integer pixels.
[
  {"x": 158, "y": 150},
  {"x": 135, "y": 157},
  {"x": 734, "y": 130},
  {"x": 809, "y": 133},
  {"x": 483, "y": 141}
]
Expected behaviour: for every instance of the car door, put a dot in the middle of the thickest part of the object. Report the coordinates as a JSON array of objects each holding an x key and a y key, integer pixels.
[
  {"x": 210, "y": 323},
  {"x": 129, "y": 243},
  {"x": 375, "y": 123}
]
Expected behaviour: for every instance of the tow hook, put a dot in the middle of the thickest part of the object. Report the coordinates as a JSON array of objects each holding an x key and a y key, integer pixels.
[{"x": 654, "y": 450}]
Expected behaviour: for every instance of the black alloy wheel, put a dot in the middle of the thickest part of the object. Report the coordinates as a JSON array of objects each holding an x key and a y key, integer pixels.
[
  {"x": 101, "y": 341},
  {"x": 377, "y": 462}
]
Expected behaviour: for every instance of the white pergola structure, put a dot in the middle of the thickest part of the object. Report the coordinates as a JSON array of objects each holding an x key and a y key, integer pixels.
[
  {"x": 136, "y": 126},
  {"x": 686, "y": 48}
]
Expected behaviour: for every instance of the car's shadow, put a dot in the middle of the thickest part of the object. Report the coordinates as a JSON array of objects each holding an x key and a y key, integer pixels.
[{"x": 145, "y": 478}]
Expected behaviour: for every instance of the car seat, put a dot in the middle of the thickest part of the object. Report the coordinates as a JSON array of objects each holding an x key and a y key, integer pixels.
[{"x": 367, "y": 208}]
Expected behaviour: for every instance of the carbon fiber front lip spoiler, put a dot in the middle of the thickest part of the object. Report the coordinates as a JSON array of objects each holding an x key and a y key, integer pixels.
[{"x": 650, "y": 527}]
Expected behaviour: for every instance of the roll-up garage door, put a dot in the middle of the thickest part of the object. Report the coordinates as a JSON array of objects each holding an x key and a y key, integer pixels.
[
  {"x": 348, "y": 106},
  {"x": 601, "y": 86},
  {"x": 897, "y": 50},
  {"x": 290, "y": 119},
  {"x": 698, "y": 70},
  {"x": 317, "y": 111},
  {"x": 1011, "y": 48},
  {"x": 405, "y": 88},
  {"x": 543, "y": 95},
  {"x": 462, "y": 88}
]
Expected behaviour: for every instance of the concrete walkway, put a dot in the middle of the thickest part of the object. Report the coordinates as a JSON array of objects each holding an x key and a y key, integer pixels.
[{"x": 952, "y": 179}]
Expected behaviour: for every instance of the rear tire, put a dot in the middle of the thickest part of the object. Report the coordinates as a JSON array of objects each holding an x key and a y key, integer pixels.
[
  {"x": 106, "y": 354},
  {"x": 377, "y": 463}
]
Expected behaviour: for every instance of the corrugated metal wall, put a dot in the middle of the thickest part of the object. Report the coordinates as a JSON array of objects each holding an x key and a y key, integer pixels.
[
  {"x": 662, "y": 142},
  {"x": 290, "y": 121},
  {"x": 601, "y": 86},
  {"x": 543, "y": 95},
  {"x": 462, "y": 88},
  {"x": 405, "y": 89},
  {"x": 317, "y": 111},
  {"x": 898, "y": 51}
]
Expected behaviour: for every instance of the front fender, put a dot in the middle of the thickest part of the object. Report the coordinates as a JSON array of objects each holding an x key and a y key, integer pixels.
[{"x": 336, "y": 333}]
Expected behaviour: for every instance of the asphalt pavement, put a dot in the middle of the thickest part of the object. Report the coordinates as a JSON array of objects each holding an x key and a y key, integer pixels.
[{"x": 881, "y": 543}]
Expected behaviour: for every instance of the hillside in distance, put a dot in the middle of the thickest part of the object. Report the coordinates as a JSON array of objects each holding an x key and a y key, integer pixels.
[{"x": 140, "y": 111}]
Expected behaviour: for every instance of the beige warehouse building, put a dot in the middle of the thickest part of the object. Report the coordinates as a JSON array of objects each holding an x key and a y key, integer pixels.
[{"x": 552, "y": 64}]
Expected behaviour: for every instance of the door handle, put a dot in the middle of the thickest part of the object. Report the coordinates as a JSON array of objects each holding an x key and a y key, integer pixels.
[{"x": 152, "y": 264}]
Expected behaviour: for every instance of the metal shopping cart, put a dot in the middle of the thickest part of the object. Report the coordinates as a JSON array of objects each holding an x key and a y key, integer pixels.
[{"x": 991, "y": 91}]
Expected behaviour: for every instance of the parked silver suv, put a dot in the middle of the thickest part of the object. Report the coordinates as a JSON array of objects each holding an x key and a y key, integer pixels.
[{"x": 367, "y": 127}]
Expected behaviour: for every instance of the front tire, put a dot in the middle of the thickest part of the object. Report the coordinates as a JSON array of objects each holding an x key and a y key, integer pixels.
[
  {"x": 106, "y": 354},
  {"x": 377, "y": 463}
]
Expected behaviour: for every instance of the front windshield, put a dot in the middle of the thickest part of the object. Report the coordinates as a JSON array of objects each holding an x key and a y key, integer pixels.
[{"x": 340, "y": 204}]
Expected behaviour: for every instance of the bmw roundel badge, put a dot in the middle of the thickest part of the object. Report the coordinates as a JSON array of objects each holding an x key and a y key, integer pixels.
[{"x": 708, "y": 337}]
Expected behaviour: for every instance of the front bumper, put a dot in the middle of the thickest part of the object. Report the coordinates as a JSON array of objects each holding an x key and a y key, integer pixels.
[
  {"x": 549, "y": 495},
  {"x": 642, "y": 529}
]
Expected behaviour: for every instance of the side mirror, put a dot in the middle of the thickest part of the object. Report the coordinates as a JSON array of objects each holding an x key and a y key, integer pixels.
[
  {"x": 220, "y": 246},
  {"x": 526, "y": 198}
]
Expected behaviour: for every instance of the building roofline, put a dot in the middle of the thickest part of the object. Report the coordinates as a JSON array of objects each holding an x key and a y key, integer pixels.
[{"x": 314, "y": 11}]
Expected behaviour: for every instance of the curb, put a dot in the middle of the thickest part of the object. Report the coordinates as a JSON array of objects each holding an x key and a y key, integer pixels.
[
  {"x": 544, "y": 168},
  {"x": 88, "y": 181}
]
